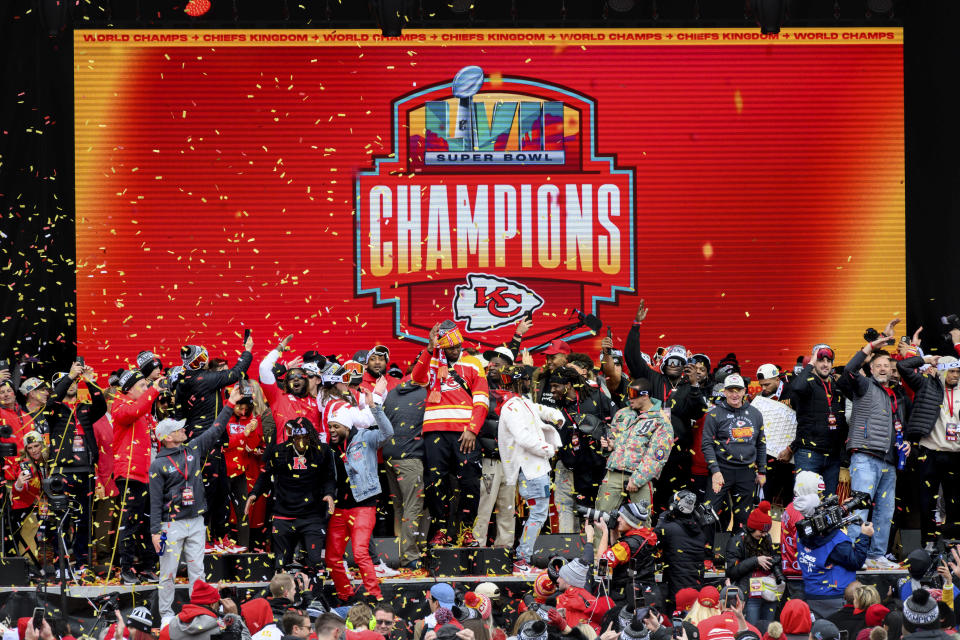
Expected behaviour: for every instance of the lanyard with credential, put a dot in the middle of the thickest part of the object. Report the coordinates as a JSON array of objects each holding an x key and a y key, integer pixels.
[
  {"x": 186, "y": 467},
  {"x": 950, "y": 403}
]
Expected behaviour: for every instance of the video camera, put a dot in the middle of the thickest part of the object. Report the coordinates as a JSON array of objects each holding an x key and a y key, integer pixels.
[
  {"x": 951, "y": 321},
  {"x": 942, "y": 554},
  {"x": 594, "y": 515},
  {"x": 107, "y": 604},
  {"x": 832, "y": 515},
  {"x": 7, "y": 449}
]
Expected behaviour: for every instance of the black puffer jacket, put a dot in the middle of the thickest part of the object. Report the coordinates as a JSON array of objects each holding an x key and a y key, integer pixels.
[
  {"x": 927, "y": 397},
  {"x": 682, "y": 541},
  {"x": 198, "y": 398},
  {"x": 487, "y": 438},
  {"x": 809, "y": 398},
  {"x": 404, "y": 407},
  {"x": 742, "y": 557}
]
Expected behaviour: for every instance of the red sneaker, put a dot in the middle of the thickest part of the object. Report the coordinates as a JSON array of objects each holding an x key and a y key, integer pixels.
[
  {"x": 439, "y": 539},
  {"x": 467, "y": 539}
]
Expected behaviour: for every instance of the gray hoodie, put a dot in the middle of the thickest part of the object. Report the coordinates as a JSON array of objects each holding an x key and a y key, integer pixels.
[{"x": 199, "y": 623}]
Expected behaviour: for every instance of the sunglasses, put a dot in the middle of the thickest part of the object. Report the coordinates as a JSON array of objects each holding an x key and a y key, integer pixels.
[
  {"x": 296, "y": 376},
  {"x": 342, "y": 377},
  {"x": 509, "y": 378},
  {"x": 354, "y": 367},
  {"x": 825, "y": 353},
  {"x": 386, "y": 623},
  {"x": 633, "y": 394}
]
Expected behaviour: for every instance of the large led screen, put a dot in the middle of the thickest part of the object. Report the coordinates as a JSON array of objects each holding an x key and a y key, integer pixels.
[{"x": 355, "y": 190}]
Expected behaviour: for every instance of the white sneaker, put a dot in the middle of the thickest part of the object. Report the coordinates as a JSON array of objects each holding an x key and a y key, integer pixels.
[
  {"x": 383, "y": 571},
  {"x": 880, "y": 564}
]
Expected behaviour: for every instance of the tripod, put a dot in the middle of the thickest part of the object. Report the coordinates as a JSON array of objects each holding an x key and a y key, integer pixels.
[
  {"x": 60, "y": 516},
  {"x": 8, "y": 532}
]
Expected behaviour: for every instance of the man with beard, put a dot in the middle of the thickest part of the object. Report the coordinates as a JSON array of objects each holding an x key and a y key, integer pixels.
[
  {"x": 293, "y": 400},
  {"x": 678, "y": 386},
  {"x": 198, "y": 400},
  {"x": 456, "y": 407},
  {"x": 556, "y": 355},
  {"x": 582, "y": 464},
  {"x": 74, "y": 451},
  {"x": 299, "y": 475},
  {"x": 378, "y": 359},
  {"x": 875, "y": 443}
]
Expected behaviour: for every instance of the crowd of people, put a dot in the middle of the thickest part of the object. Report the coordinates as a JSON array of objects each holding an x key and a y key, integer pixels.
[{"x": 648, "y": 455}]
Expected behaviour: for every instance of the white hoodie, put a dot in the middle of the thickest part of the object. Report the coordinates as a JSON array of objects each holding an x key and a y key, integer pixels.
[{"x": 527, "y": 438}]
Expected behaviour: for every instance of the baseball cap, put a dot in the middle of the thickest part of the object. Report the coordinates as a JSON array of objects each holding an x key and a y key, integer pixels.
[
  {"x": 733, "y": 381},
  {"x": 443, "y": 593},
  {"x": 488, "y": 589},
  {"x": 557, "y": 346},
  {"x": 499, "y": 352},
  {"x": 767, "y": 371},
  {"x": 31, "y": 384},
  {"x": 167, "y": 426},
  {"x": 823, "y": 629}
]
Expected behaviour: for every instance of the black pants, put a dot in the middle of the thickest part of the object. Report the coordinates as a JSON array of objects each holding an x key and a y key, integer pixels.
[
  {"x": 216, "y": 488},
  {"x": 939, "y": 472},
  {"x": 311, "y": 531},
  {"x": 134, "y": 532},
  {"x": 80, "y": 488},
  {"x": 676, "y": 475},
  {"x": 779, "y": 487},
  {"x": 238, "y": 499},
  {"x": 740, "y": 483},
  {"x": 443, "y": 458}
]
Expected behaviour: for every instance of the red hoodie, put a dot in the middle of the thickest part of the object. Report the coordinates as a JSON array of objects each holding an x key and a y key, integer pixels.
[
  {"x": 287, "y": 406},
  {"x": 235, "y": 452},
  {"x": 727, "y": 620},
  {"x": 132, "y": 426},
  {"x": 788, "y": 540},
  {"x": 190, "y": 623}
]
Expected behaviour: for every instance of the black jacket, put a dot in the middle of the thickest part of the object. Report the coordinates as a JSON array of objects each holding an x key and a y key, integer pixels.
[
  {"x": 298, "y": 492},
  {"x": 579, "y": 452},
  {"x": 173, "y": 469},
  {"x": 927, "y": 398},
  {"x": 198, "y": 399},
  {"x": 404, "y": 407},
  {"x": 682, "y": 541},
  {"x": 847, "y": 620},
  {"x": 63, "y": 432},
  {"x": 487, "y": 438},
  {"x": 742, "y": 563},
  {"x": 809, "y": 398},
  {"x": 641, "y": 551}
]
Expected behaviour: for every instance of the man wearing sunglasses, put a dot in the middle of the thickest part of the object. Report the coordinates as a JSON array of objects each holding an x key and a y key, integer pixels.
[
  {"x": 639, "y": 443},
  {"x": 294, "y": 399}
]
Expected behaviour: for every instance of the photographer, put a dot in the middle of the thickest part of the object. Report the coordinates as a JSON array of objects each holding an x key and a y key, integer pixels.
[
  {"x": 682, "y": 533},
  {"x": 580, "y": 469},
  {"x": 821, "y": 424},
  {"x": 631, "y": 541},
  {"x": 753, "y": 565},
  {"x": 876, "y": 434},
  {"x": 828, "y": 560},
  {"x": 177, "y": 501},
  {"x": 242, "y": 451},
  {"x": 528, "y": 440},
  {"x": 735, "y": 451},
  {"x": 639, "y": 443},
  {"x": 934, "y": 428},
  {"x": 74, "y": 450},
  {"x": 206, "y": 616},
  {"x": 24, "y": 475}
]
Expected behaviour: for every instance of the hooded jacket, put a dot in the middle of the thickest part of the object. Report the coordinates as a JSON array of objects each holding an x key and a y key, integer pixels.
[
  {"x": 641, "y": 442},
  {"x": 132, "y": 425},
  {"x": 683, "y": 543},
  {"x": 74, "y": 449},
  {"x": 871, "y": 424},
  {"x": 198, "y": 398},
  {"x": 928, "y": 396},
  {"x": 815, "y": 399},
  {"x": 286, "y": 406},
  {"x": 173, "y": 470},
  {"x": 528, "y": 438},
  {"x": 298, "y": 482},
  {"x": 404, "y": 406},
  {"x": 199, "y": 623},
  {"x": 734, "y": 437}
]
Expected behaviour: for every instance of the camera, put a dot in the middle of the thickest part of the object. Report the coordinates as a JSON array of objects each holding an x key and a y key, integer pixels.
[
  {"x": 246, "y": 389},
  {"x": 593, "y": 515},
  {"x": 462, "y": 613},
  {"x": 591, "y": 425},
  {"x": 55, "y": 488},
  {"x": 931, "y": 578},
  {"x": 872, "y": 334},
  {"x": 7, "y": 449},
  {"x": 832, "y": 515},
  {"x": 107, "y": 604},
  {"x": 951, "y": 321}
]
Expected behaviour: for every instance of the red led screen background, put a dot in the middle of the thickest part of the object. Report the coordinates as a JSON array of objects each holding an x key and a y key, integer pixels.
[{"x": 758, "y": 187}]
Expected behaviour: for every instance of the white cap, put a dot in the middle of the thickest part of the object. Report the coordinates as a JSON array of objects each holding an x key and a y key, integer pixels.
[
  {"x": 733, "y": 381},
  {"x": 167, "y": 426},
  {"x": 767, "y": 371}
]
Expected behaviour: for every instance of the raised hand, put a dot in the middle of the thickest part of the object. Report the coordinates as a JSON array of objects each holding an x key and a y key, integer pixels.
[{"x": 641, "y": 311}]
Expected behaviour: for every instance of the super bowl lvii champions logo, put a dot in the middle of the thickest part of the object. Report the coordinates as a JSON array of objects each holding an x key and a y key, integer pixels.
[{"x": 494, "y": 202}]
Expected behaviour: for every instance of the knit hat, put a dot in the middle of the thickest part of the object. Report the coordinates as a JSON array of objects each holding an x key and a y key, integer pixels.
[
  {"x": 128, "y": 379},
  {"x": 875, "y": 615},
  {"x": 148, "y": 362},
  {"x": 759, "y": 519},
  {"x": 635, "y": 514},
  {"x": 443, "y": 615},
  {"x": 533, "y": 630},
  {"x": 709, "y": 597},
  {"x": 920, "y": 609},
  {"x": 636, "y": 630},
  {"x": 685, "y": 598},
  {"x": 625, "y": 616},
  {"x": 167, "y": 426},
  {"x": 479, "y": 602},
  {"x": 795, "y": 617},
  {"x": 575, "y": 573},
  {"x": 257, "y": 614},
  {"x": 345, "y": 414},
  {"x": 543, "y": 586},
  {"x": 31, "y": 384},
  {"x": 808, "y": 483},
  {"x": 823, "y": 629},
  {"x": 140, "y": 619},
  {"x": 448, "y": 335},
  {"x": 918, "y": 562},
  {"x": 203, "y": 593}
]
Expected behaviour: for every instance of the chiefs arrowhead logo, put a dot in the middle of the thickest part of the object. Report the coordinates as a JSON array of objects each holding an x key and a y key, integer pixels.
[{"x": 488, "y": 302}]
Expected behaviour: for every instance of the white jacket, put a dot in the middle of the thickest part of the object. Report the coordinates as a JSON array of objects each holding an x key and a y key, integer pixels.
[{"x": 527, "y": 438}]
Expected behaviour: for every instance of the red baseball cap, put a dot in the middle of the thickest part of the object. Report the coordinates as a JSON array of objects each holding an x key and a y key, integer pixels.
[{"x": 557, "y": 346}]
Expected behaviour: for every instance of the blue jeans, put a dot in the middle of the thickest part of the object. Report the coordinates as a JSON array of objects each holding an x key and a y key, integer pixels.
[
  {"x": 760, "y": 613},
  {"x": 879, "y": 479},
  {"x": 828, "y": 466},
  {"x": 536, "y": 492}
]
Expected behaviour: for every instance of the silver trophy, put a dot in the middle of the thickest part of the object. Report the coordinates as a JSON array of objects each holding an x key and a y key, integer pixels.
[{"x": 466, "y": 84}]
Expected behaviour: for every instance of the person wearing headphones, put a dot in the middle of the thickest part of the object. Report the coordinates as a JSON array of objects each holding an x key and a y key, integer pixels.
[
  {"x": 631, "y": 540},
  {"x": 683, "y": 541}
]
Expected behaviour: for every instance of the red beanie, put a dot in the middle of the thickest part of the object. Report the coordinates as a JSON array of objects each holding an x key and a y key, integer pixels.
[
  {"x": 795, "y": 617},
  {"x": 203, "y": 593},
  {"x": 875, "y": 615},
  {"x": 22, "y": 627},
  {"x": 760, "y": 519},
  {"x": 685, "y": 598}
]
